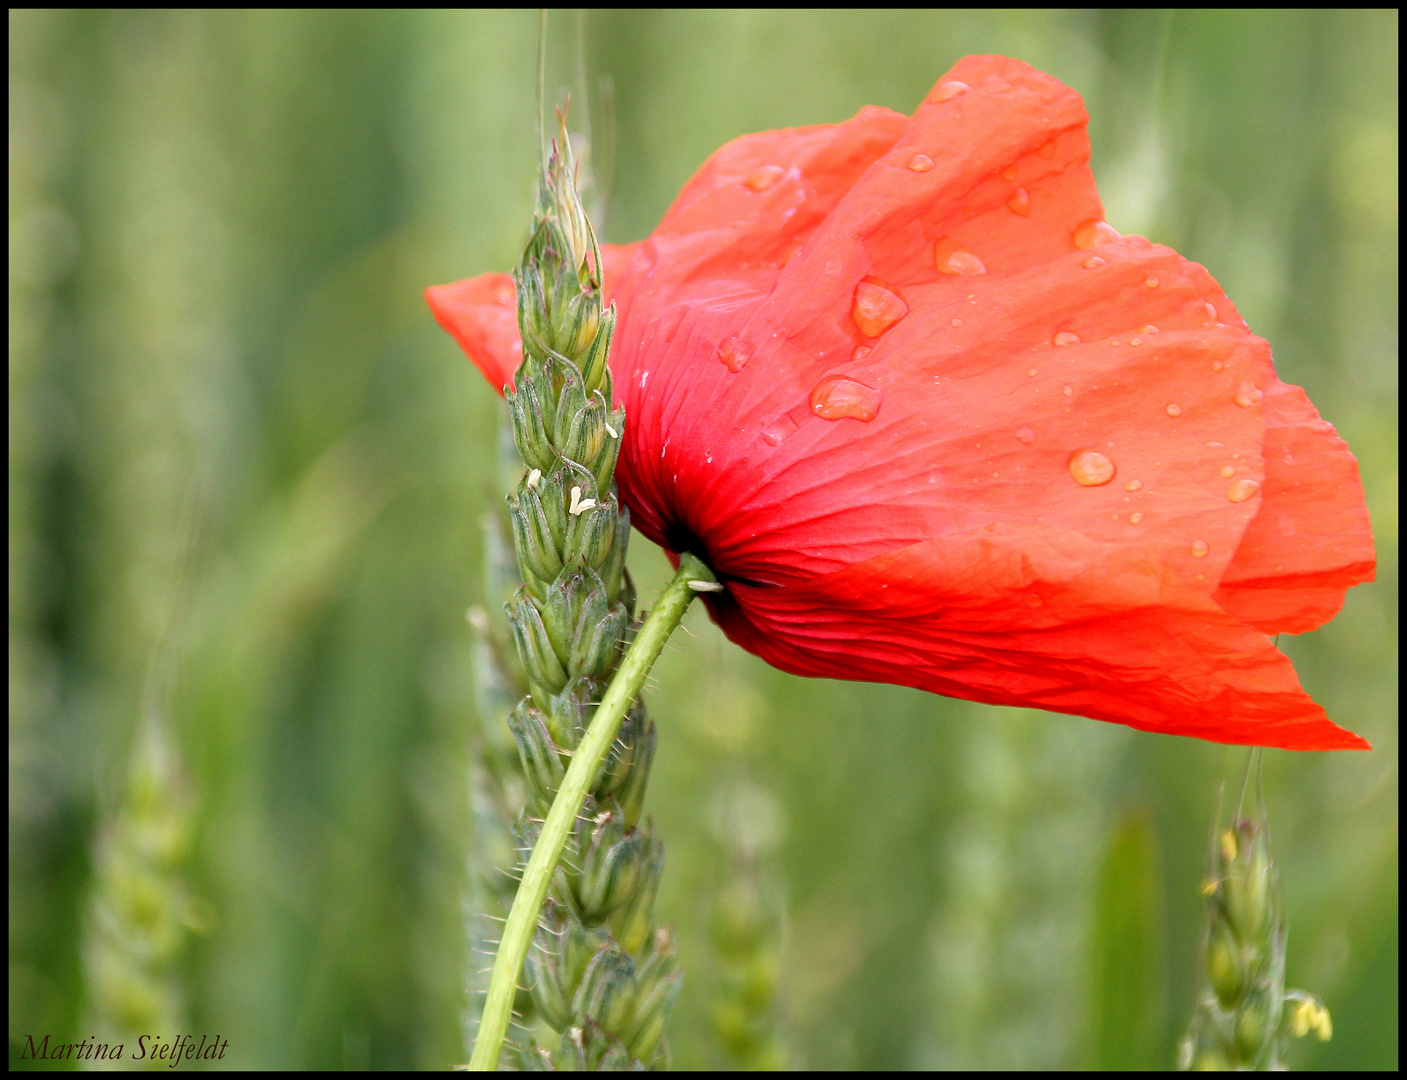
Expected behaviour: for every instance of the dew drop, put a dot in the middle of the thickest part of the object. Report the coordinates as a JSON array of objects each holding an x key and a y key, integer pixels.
[
  {"x": 949, "y": 90},
  {"x": 1199, "y": 548},
  {"x": 876, "y": 308},
  {"x": 764, "y": 178},
  {"x": 957, "y": 322},
  {"x": 1026, "y": 435},
  {"x": 1069, "y": 391},
  {"x": 1211, "y": 311},
  {"x": 920, "y": 163},
  {"x": 959, "y": 262},
  {"x": 1149, "y": 330},
  {"x": 1032, "y": 373},
  {"x": 1114, "y": 342},
  {"x": 1243, "y": 490},
  {"x": 1020, "y": 203},
  {"x": 1174, "y": 410},
  {"x": 837, "y": 397},
  {"x": 779, "y": 429},
  {"x": 505, "y": 295},
  {"x": 1151, "y": 281},
  {"x": 1092, "y": 262},
  {"x": 1093, "y": 233},
  {"x": 1090, "y": 468},
  {"x": 1009, "y": 173},
  {"x": 1248, "y": 394},
  {"x": 1135, "y": 518},
  {"x": 1133, "y": 485},
  {"x": 1227, "y": 472},
  {"x": 1047, "y": 150},
  {"x": 1136, "y": 341},
  {"x": 708, "y": 459},
  {"x": 733, "y": 353},
  {"x": 1066, "y": 338},
  {"x": 861, "y": 351},
  {"x": 1218, "y": 365}
]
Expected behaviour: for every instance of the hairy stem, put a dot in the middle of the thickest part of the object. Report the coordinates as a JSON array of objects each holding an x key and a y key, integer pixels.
[{"x": 532, "y": 890}]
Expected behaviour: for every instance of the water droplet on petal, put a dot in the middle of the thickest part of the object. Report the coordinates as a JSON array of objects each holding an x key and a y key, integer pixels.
[
  {"x": 876, "y": 308},
  {"x": 1136, "y": 341},
  {"x": 1135, "y": 518},
  {"x": 505, "y": 295},
  {"x": 1020, "y": 203},
  {"x": 763, "y": 178},
  {"x": 733, "y": 353},
  {"x": 1199, "y": 548},
  {"x": 1133, "y": 485},
  {"x": 1218, "y": 365},
  {"x": 1092, "y": 262},
  {"x": 779, "y": 429},
  {"x": 1243, "y": 490},
  {"x": 1211, "y": 311},
  {"x": 949, "y": 90},
  {"x": 920, "y": 163},
  {"x": 1248, "y": 394},
  {"x": 957, "y": 322},
  {"x": 1093, "y": 233},
  {"x": 1069, "y": 391},
  {"x": 861, "y": 351},
  {"x": 1227, "y": 472},
  {"x": 1174, "y": 410},
  {"x": 1151, "y": 281},
  {"x": 1091, "y": 468},
  {"x": 1026, "y": 435},
  {"x": 1009, "y": 173},
  {"x": 837, "y": 397},
  {"x": 1066, "y": 338},
  {"x": 1149, "y": 330},
  {"x": 958, "y": 262}
]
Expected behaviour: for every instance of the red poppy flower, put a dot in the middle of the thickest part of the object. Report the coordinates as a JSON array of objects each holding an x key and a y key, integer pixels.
[{"x": 934, "y": 422}]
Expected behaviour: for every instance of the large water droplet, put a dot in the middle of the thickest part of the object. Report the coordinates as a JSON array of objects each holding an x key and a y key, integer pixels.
[
  {"x": 1092, "y": 262},
  {"x": 1020, "y": 202},
  {"x": 733, "y": 353},
  {"x": 1026, "y": 435},
  {"x": 959, "y": 262},
  {"x": 838, "y": 397},
  {"x": 1174, "y": 410},
  {"x": 920, "y": 163},
  {"x": 876, "y": 308},
  {"x": 1248, "y": 394},
  {"x": 1243, "y": 490},
  {"x": 1199, "y": 548},
  {"x": 948, "y": 90},
  {"x": 1093, "y": 233},
  {"x": 861, "y": 351},
  {"x": 1227, "y": 472},
  {"x": 1211, "y": 311},
  {"x": 763, "y": 178},
  {"x": 1090, "y": 468},
  {"x": 1065, "y": 337}
]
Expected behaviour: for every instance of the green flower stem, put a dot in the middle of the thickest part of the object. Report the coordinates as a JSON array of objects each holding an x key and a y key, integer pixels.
[{"x": 542, "y": 864}]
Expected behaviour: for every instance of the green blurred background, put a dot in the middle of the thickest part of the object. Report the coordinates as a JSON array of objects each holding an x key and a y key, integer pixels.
[{"x": 247, "y": 473}]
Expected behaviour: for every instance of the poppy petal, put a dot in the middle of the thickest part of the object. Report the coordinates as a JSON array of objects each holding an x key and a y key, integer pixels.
[{"x": 1311, "y": 540}]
